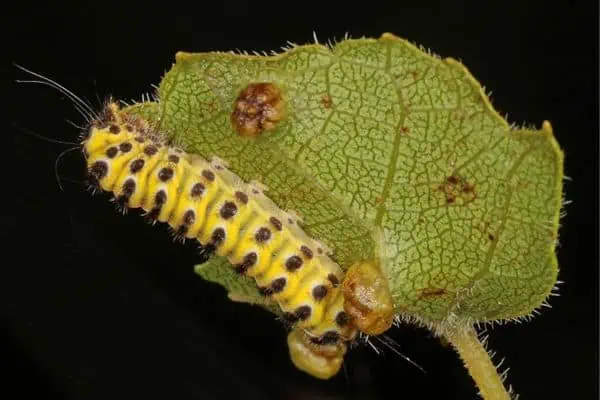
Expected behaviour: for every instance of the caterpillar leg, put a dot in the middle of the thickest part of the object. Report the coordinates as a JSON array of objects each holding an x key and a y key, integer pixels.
[
  {"x": 368, "y": 299},
  {"x": 319, "y": 360}
]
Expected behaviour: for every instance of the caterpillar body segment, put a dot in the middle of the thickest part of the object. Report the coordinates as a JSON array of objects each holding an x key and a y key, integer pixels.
[{"x": 200, "y": 199}]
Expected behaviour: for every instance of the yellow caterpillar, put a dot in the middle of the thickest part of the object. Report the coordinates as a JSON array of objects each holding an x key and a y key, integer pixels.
[{"x": 203, "y": 200}]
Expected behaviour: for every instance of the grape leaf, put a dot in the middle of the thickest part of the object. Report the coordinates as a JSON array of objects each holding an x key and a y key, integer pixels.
[{"x": 388, "y": 150}]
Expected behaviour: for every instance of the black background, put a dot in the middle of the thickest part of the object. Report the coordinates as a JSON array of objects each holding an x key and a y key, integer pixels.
[{"x": 94, "y": 305}]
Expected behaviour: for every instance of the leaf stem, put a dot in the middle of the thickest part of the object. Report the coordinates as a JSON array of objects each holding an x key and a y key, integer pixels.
[{"x": 478, "y": 362}]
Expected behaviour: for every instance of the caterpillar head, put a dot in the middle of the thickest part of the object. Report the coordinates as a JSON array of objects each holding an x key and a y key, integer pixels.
[{"x": 368, "y": 299}]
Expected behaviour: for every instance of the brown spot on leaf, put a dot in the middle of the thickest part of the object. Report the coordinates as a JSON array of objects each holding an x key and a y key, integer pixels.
[
  {"x": 491, "y": 236},
  {"x": 468, "y": 188},
  {"x": 458, "y": 116},
  {"x": 455, "y": 188},
  {"x": 326, "y": 101},
  {"x": 453, "y": 179},
  {"x": 404, "y": 131},
  {"x": 431, "y": 292},
  {"x": 258, "y": 108}
]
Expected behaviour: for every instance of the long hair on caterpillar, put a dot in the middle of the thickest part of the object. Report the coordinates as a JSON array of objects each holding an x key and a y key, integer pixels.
[{"x": 86, "y": 109}]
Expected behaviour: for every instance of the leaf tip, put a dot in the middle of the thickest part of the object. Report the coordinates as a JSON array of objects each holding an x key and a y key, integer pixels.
[
  {"x": 198, "y": 268},
  {"x": 390, "y": 36},
  {"x": 547, "y": 128}
]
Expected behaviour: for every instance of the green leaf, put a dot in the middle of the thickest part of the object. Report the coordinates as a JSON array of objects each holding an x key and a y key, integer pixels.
[
  {"x": 240, "y": 288},
  {"x": 147, "y": 110},
  {"x": 389, "y": 151}
]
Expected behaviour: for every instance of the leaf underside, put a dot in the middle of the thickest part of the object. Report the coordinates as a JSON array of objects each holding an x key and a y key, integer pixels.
[{"x": 386, "y": 151}]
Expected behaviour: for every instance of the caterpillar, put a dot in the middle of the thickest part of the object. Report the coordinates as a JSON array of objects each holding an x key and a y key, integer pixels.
[{"x": 201, "y": 199}]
